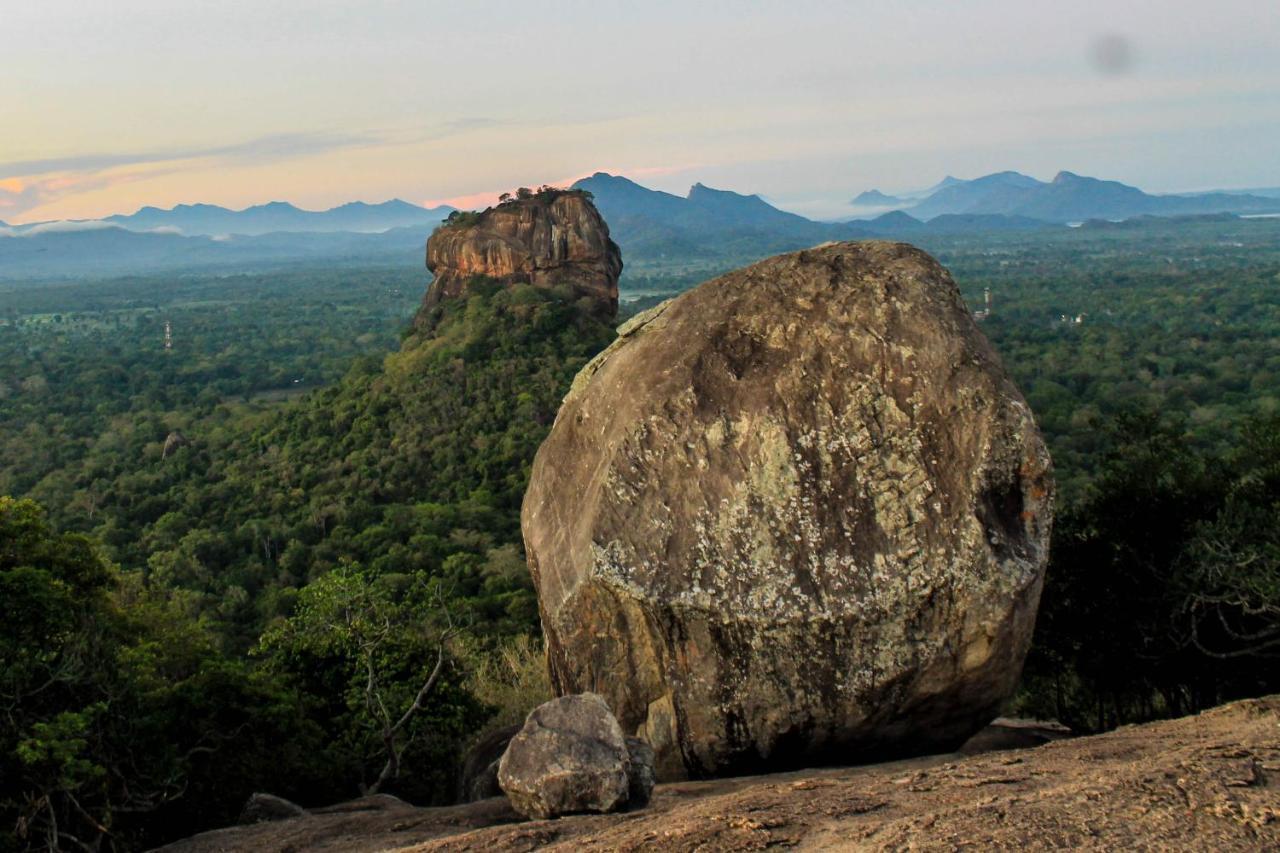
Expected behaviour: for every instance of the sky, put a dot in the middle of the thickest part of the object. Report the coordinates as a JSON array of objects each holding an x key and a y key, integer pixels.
[{"x": 110, "y": 105}]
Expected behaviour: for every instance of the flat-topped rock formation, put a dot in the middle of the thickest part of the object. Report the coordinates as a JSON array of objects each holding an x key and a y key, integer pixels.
[
  {"x": 553, "y": 237},
  {"x": 797, "y": 515}
]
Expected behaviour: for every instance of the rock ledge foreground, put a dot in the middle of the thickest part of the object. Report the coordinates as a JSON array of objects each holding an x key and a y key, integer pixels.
[
  {"x": 798, "y": 515},
  {"x": 1209, "y": 782}
]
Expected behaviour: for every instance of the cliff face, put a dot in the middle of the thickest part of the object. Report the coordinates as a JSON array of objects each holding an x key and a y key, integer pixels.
[{"x": 553, "y": 238}]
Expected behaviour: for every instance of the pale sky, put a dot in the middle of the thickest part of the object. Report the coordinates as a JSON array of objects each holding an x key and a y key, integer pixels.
[{"x": 109, "y": 106}]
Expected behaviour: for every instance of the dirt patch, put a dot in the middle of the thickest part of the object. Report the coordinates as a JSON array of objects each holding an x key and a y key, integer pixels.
[{"x": 1209, "y": 782}]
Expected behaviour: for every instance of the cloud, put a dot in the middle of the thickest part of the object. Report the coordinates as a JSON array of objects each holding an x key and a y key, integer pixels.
[
  {"x": 29, "y": 184},
  {"x": 263, "y": 149},
  {"x": 65, "y": 226},
  {"x": 17, "y": 196}
]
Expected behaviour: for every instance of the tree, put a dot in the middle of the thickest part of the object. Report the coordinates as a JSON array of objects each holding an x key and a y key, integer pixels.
[
  {"x": 55, "y": 644},
  {"x": 1230, "y": 578},
  {"x": 377, "y": 628}
]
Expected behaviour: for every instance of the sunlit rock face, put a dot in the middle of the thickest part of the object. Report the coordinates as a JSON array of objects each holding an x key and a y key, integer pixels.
[
  {"x": 552, "y": 238},
  {"x": 798, "y": 515}
]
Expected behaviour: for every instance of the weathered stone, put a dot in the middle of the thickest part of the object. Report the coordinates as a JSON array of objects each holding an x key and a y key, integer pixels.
[
  {"x": 172, "y": 442},
  {"x": 266, "y": 807},
  {"x": 641, "y": 777},
  {"x": 553, "y": 238},
  {"x": 570, "y": 756},
  {"x": 478, "y": 779},
  {"x": 797, "y": 515}
]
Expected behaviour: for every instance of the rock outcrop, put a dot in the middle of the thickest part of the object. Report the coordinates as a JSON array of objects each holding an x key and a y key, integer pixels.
[
  {"x": 555, "y": 237},
  {"x": 172, "y": 442},
  {"x": 268, "y": 807},
  {"x": 798, "y": 515},
  {"x": 569, "y": 757}
]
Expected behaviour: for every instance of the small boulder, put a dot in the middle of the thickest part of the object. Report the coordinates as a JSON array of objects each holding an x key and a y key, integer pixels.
[
  {"x": 570, "y": 756},
  {"x": 262, "y": 808}
]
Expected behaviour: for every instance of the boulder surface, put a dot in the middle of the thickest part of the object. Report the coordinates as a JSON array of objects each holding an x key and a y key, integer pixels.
[
  {"x": 555, "y": 237},
  {"x": 267, "y": 807},
  {"x": 569, "y": 757},
  {"x": 798, "y": 515},
  {"x": 641, "y": 775}
]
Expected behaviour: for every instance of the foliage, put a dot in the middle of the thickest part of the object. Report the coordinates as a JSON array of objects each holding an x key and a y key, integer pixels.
[
  {"x": 1163, "y": 593},
  {"x": 119, "y": 718},
  {"x": 462, "y": 218},
  {"x": 510, "y": 677},
  {"x": 391, "y": 635},
  {"x": 414, "y": 468},
  {"x": 132, "y": 711}
]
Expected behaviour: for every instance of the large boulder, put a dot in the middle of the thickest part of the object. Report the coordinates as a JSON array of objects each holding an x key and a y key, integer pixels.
[
  {"x": 553, "y": 237},
  {"x": 797, "y": 515},
  {"x": 569, "y": 757}
]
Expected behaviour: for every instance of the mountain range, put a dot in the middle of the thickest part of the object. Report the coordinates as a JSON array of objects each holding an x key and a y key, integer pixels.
[
  {"x": 105, "y": 251},
  {"x": 210, "y": 220},
  {"x": 657, "y": 230},
  {"x": 276, "y": 216},
  {"x": 1067, "y": 198}
]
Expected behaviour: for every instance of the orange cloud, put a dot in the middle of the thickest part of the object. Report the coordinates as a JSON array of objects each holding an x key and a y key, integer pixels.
[
  {"x": 12, "y": 185},
  {"x": 474, "y": 201}
]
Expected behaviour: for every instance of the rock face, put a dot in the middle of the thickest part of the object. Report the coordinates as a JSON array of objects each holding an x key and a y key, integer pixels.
[
  {"x": 555, "y": 237},
  {"x": 642, "y": 777},
  {"x": 798, "y": 515},
  {"x": 172, "y": 442},
  {"x": 570, "y": 756}
]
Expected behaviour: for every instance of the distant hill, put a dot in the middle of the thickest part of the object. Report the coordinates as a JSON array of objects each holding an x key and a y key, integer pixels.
[
  {"x": 951, "y": 223},
  {"x": 212, "y": 220},
  {"x": 706, "y": 223},
  {"x": 1262, "y": 192},
  {"x": 1070, "y": 198},
  {"x": 875, "y": 198},
  {"x": 112, "y": 250}
]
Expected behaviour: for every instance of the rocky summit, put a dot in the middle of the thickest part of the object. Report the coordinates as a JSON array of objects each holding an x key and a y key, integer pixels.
[
  {"x": 797, "y": 515},
  {"x": 549, "y": 238}
]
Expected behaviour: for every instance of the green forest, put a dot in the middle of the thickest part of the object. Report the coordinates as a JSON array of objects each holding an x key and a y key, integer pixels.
[{"x": 282, "y": 552}]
